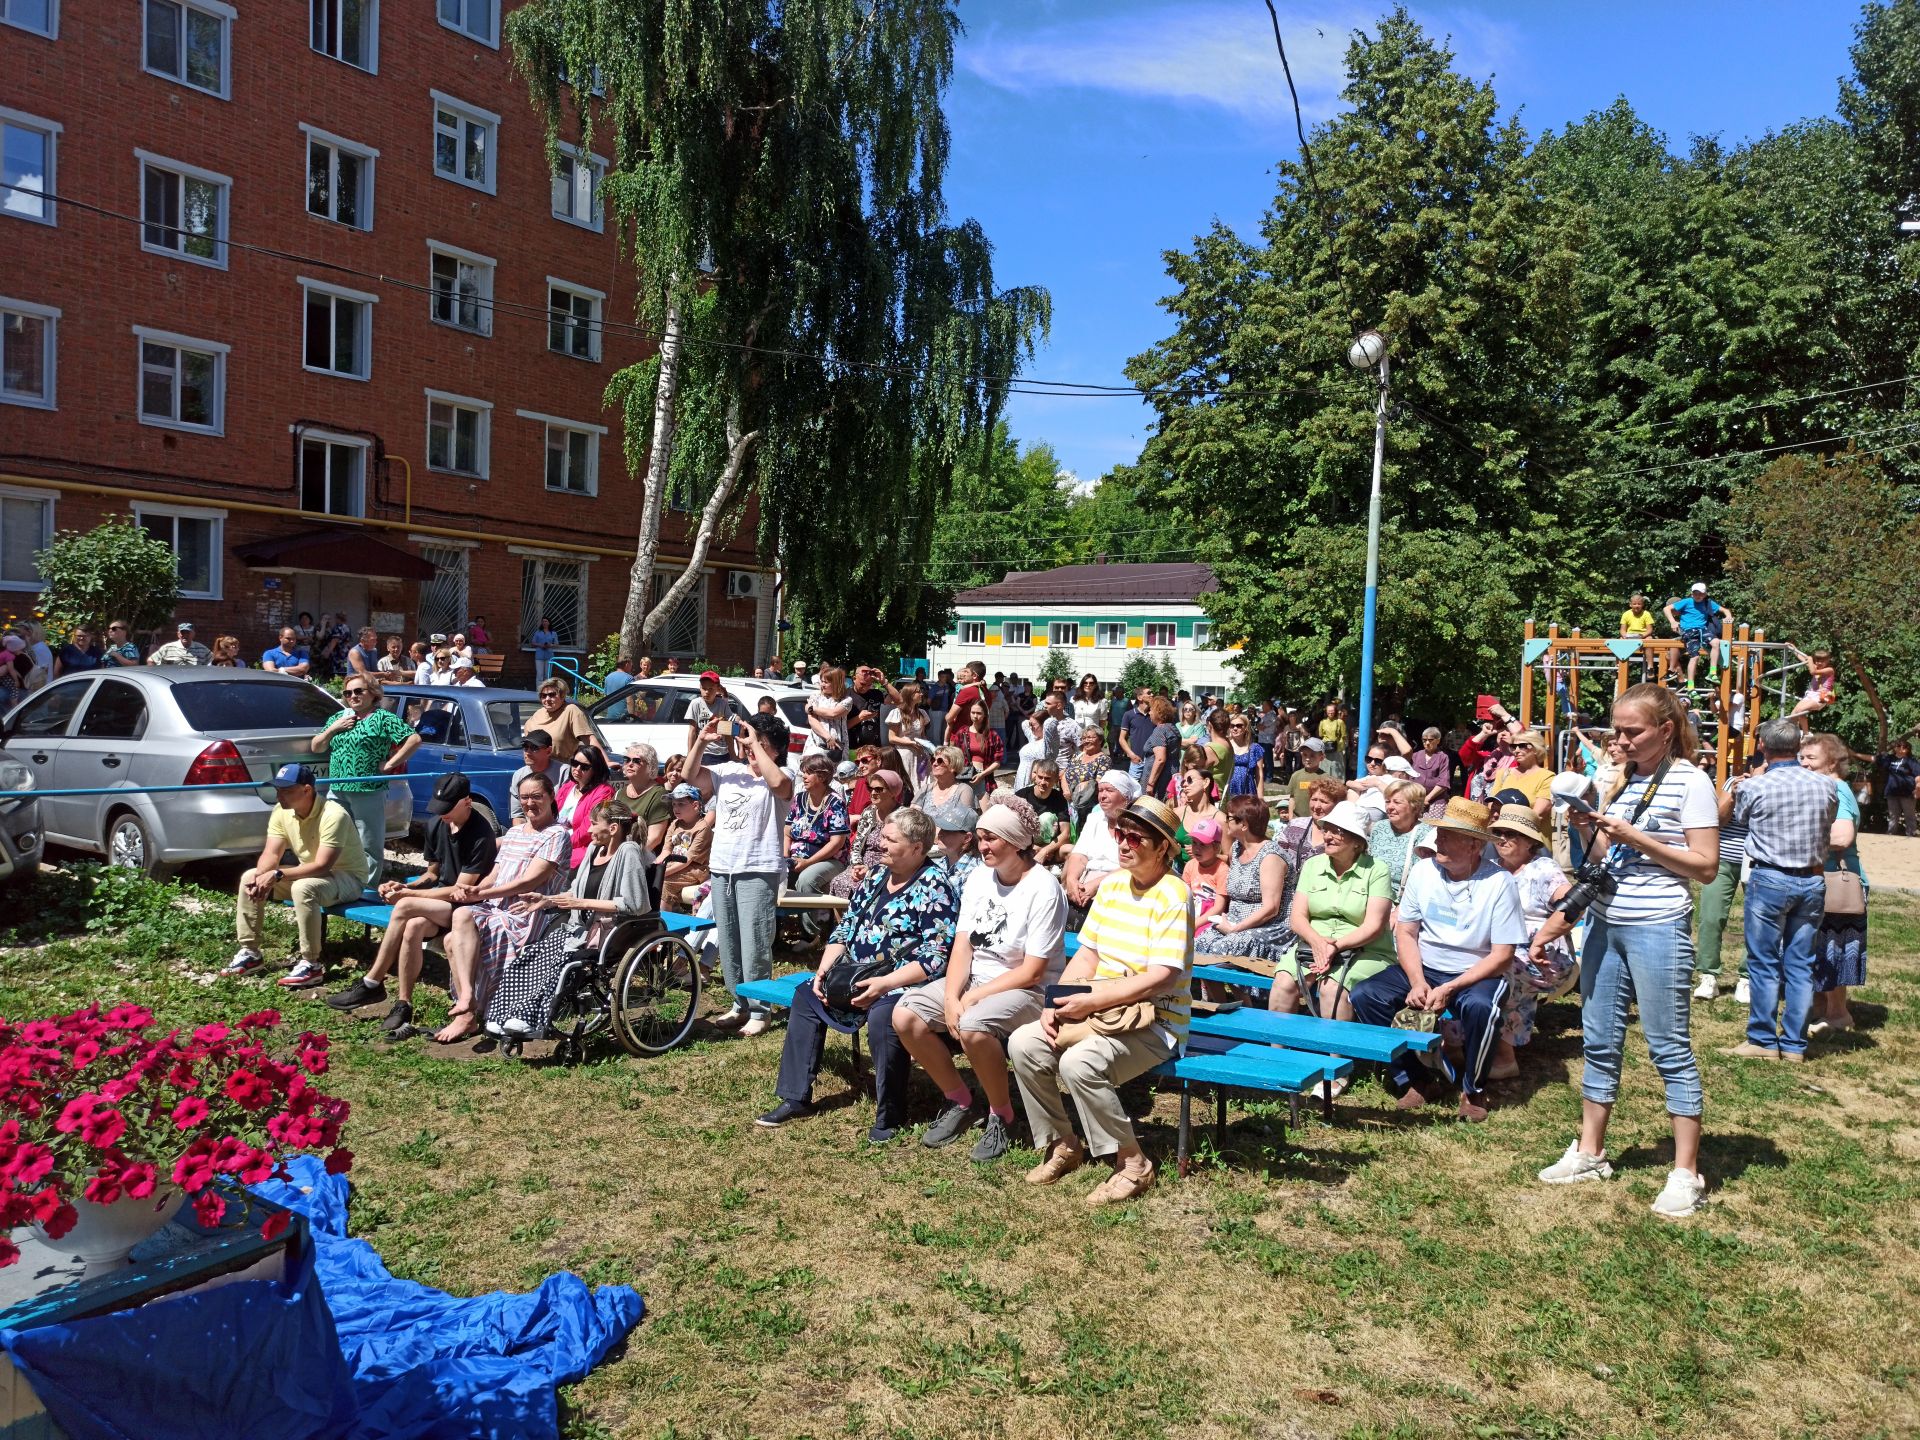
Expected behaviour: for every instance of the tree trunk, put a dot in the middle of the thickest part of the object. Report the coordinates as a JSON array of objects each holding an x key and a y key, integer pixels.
[
  {"x": 738, "y": 448},
  {"x": 636, "y": 626},
  {"x": 1873, "y": 698}
]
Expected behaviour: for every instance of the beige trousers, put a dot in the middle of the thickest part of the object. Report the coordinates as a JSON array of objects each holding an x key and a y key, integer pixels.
[
  {"x": 1091, "y": 1072},
  {"x": 310, "y": 899}
]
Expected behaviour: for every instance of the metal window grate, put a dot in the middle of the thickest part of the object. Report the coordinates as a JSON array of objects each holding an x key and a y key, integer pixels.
[{"x": 443, "y": 599}]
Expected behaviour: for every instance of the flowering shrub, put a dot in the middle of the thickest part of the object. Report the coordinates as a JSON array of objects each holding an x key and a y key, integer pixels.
[{"x": 97, "y": 1107}]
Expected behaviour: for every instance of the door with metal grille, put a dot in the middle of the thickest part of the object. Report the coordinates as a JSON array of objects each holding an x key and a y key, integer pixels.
[{"x": 443, "y": 599}]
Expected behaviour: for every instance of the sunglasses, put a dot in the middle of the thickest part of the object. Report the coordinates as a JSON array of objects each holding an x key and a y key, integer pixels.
[
  {"x": 1376, "y": 759},
  {"x": 579, "y": 765},
  {"x": 1132, "y": 837}
]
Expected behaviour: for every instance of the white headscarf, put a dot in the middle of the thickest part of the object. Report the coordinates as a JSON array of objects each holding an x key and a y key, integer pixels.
[{"x": 1123, "y": 782}]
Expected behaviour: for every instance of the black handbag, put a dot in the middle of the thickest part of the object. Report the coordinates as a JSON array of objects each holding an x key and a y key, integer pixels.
[{"x": 845, "y": 976}]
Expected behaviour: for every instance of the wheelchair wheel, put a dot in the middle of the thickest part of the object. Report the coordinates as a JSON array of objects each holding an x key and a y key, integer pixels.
[{"x": 656, "y": 994}]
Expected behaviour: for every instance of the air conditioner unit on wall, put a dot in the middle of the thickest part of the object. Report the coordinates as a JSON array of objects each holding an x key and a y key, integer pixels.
[{"x": 743, "y": 585}]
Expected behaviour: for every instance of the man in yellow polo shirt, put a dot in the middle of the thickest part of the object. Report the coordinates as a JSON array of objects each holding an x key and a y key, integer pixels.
[{"x": 326, "y": 867}]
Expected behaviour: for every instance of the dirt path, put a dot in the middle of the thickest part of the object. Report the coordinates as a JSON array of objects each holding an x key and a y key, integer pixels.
[{"x": 1891, "y": 860}]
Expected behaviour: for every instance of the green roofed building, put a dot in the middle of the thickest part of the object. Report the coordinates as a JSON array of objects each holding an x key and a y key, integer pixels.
[{"x": 1099, "y": 616}]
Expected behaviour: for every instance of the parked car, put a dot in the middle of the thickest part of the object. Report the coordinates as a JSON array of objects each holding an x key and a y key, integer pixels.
[
  {"x": 473, "y": 729},
  {"x": 654, "y": 711},
  {"x": 137, "y": 728},
  {"x": 21, "y": 839}
]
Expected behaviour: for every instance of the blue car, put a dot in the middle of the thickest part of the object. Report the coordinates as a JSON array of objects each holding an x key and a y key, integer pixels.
[{"x": 472, "y": 729}]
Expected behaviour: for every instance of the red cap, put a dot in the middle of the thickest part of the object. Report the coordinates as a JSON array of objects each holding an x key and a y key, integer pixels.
[{"x": 713, "y": 675}]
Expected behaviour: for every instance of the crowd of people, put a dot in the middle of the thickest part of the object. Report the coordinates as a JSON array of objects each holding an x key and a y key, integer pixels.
[{"x": 971, "y": 826}]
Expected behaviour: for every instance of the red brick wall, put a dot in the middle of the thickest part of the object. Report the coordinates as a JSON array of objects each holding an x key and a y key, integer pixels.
[{"x": 90, "y": 80}]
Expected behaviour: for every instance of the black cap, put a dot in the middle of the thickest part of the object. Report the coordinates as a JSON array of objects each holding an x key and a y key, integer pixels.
[
  {"x": 536, "y": 740},
  {"x": 448, "y": 791}
]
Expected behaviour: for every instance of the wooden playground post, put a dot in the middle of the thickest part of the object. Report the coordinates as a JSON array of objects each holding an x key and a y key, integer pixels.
[
  {"x": 1553, "y": 690},
  {"x": 1526, "y": 685},
  {"x": 1573, "y": 683},
  {"x": 1723, "y": 737}
]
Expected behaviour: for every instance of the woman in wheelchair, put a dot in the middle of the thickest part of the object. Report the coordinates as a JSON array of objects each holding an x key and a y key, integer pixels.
[{"x": 610, "y": 884}]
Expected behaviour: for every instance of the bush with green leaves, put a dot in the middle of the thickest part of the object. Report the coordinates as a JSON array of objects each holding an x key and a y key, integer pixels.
[
  {"x": 115, "y": 571},
  {"x": 1057, "y": 666}
]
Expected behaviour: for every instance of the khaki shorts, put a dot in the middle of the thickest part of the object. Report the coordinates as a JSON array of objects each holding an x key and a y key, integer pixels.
[{"x": 999, "y": 1014}]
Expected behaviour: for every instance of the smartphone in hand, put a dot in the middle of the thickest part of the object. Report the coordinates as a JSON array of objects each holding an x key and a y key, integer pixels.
[{"x": 1056, "y": 993}]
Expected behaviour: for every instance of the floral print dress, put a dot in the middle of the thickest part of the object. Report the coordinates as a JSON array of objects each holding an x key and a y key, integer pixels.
[
  {"x": 912, "y": 923},
  {"x": 1270, "y": 941},
  {"x": 1537, "y": 970},
  {"x": 503, "y": 934},
  {"x": 864, "y": 850}
]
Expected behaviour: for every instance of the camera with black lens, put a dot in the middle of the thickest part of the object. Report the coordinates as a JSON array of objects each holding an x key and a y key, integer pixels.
[{"x": 1592, "y": 881}]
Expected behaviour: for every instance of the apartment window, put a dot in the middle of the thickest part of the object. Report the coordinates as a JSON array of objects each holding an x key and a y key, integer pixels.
[
  {"x": 26, "y": 527},
  {"x": 339, "y": 179},
  {"x": 477, "y": 18},
  {"x": 40, "y": 16},
  {"x": 462, "y": 284},
  {"x": 1202, "y": 634},
  {"x": 182, "y": 381},
  {"x": 194, "y": 537},
  {"x": 339, "y": 325},
  {"x": 1016, "y": 632},
  {"x": 576, "y": 187},
  {"x": 27, "y": 145},
  {"x": 573, "y": 319},
  {"x": 464, "y": 142},
  {"x": 26, "y": 353},
  {"x": 183, "y": 210},
  {"x": 333, "y": 473},
  {"x": 187, "y": 41},
  {"x": 348, "y": 30},
  {"x": 556, "y": 589},
  {"x": 1160, "y": 636},
  {"x": 684, "y": 632},
  {"x": 1063, "y": 632},
  {"x": 973, "y": 632},
  {"x": 573, "y": 453},
  {"x": 1110, "y": 635},
  {"x": 457, "y": 434}
]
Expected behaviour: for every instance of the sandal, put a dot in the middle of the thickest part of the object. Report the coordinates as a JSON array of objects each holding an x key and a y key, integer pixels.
[
  {"x": 1061, "y": 1161},
  {"x": 1123, "y": 1185}
]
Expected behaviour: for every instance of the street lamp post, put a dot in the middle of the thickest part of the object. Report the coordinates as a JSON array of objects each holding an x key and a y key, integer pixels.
[{"x": 1369, "y": 352}]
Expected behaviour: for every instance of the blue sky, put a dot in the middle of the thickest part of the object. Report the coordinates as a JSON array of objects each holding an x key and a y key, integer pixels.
[{"x": 1091, "y": 135}]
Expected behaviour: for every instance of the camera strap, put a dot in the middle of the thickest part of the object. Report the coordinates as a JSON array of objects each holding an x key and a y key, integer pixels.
[{"x": 1654, "y": 782}]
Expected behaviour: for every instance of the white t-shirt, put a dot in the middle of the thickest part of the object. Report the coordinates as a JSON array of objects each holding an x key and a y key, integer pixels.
[
  {"x": 1089, "y": 712},
  {"x": 1649, "y": 894},
  {"x": 746, "y": 822},
  {"x": 699, "y": 712},
  {"x": 1462, "y": 920},
  {"x": 1097, "y": 844},
  {"x": 1007, "y": 923},
  {"x": 825, "y": 710}
]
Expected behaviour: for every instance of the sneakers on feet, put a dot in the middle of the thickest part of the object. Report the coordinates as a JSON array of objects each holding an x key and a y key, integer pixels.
[
  {"x": 994, "y": 1141},
  {"x": 399, "y": 1017},
  {"x": 305, "y": 975},
  {"x": 245, "y": 961},
  {"x": 731, "y": 1019},
  {"x": 1708, "y": 988},
  {"x": 881, "y": 1134},
  {"x": 783, "y": 1112},
  {"x": 1742, "y": 993},
  {"x": 758, "y": 1023},
  {"x": 953, "y": 1122},
  {"x": 1747, "y": 1050},
  {"x": 362, "y": 992},
  {"x": 1576, "y": 1165},
  {"x": 1684, "y": 1193}
]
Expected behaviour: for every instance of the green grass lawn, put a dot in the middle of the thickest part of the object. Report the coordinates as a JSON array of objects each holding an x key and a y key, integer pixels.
[{"x": 1385, "y": 1276}]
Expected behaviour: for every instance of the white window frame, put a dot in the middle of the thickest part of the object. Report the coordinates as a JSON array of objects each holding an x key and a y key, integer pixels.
[
  {"x": 1103, "y": 635},
  {"x": 49, "y": 352},
  {"x": 225, "y": 14},
  {"x": 483, "y": 263},
  {"x": 597, "y": 168},
  {"x": 1007, "y": 629},
  {"x": 368, "y": 155},
  {"x": 973, "y": 632},
  {"x": 51, "y": 181},
  {"x": 320, "y": 433},
  {"x": 146, "y": 335},
  {"x": 363, "y": 344},
  {"x": 1063, "y": 632},
  {"x": 372, "y": 67},
  {"x": 551, "y": 423},
  {"x": 52, "y": 32},
  {"x": 50, "y": 499},
  {"x": 492, "y": 9},
  {"x": 181, "y": 172},
  {"x": 467, "y": 112},
  {"x": 1147, "y": 632},
  {"x": 1202, "y": 634},
  {"x": 482, "y": 434},
  {"x": 595, "y": 326},
  {"x": 216, "y": 540}
]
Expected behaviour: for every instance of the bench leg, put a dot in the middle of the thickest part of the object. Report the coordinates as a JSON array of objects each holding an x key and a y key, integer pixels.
[
  {"x": 1293, "y": 1110},
  {"x": 1220, "y": 1118},
  {"x": 1186, "y": 1128},
  {"x": 1326, "y": 1101}
]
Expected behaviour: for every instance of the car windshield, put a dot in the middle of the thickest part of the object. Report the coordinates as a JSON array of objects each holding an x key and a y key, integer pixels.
[{"x": 232, "y": 707}]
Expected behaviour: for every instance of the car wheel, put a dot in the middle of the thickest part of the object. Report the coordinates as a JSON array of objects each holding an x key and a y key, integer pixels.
[{"x": 130, "y": 845}]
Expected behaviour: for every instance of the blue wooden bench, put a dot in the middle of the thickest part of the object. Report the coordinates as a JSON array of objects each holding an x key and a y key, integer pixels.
[
  {"x": 1229, "y": 975},
  {"x": 1252, "y": 1067}
]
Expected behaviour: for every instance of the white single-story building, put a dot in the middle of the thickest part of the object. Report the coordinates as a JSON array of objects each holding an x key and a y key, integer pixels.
[{"x": 1103, "y": 615}]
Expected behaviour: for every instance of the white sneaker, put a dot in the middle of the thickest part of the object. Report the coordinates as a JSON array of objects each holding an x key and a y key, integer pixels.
[
  {"x": 1576, "y": 1165},
  {"x": 730, "y": 1019},
  {"x": 1684, "y": 1194},
  {"x": 1741, "y": 994},
  {"x": 1708, "y": 988},
  {"x": 757, "y": 1024}
]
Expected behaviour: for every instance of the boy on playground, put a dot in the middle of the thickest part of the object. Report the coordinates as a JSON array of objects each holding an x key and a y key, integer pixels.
[{"x": 1697, "y": 621}]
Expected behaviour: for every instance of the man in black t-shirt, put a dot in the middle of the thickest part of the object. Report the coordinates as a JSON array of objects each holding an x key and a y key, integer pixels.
[
  {"x": 1049, "y": 802},
  {"x": 872, "y": 695},
  {"x": 459, "y": 850}
]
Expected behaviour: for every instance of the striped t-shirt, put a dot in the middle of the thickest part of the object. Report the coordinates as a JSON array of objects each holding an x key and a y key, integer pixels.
[
  {"x": 1649, "y": 894},
  {"x": 1131, "y": 931}
]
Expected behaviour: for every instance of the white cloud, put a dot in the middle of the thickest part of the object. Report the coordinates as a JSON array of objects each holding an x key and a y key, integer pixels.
[{"x": 1204, "y": 53}]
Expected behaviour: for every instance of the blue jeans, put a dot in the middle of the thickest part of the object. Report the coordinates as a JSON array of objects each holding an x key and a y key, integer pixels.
[
  {"x": 1139, "y": 768},
  {"x": 1477, "y": 1008},
  {"x": 1651, "y": 965},
  {"x": 1783, "y": 913}
]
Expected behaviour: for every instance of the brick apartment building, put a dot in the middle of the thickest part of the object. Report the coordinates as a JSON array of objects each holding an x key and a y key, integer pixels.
[{"x": 397, "y": 415}]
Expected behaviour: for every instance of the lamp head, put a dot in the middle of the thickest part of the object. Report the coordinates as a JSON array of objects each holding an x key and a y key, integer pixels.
[{"x": 1369, "y": 348}]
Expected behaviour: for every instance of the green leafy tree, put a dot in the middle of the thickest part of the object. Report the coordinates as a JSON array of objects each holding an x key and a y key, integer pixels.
[
  {"x": 830, "y": 340},
  {"x": 1057, "y": 666},
  {"x": 1166, "y": 677},
  {"x": 1138, "y": 671},
  {"x": 115, "y": 571}
]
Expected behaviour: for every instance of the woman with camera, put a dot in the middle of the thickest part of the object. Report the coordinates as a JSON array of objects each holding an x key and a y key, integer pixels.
[
  {"x": 897, "y": 933},
  {"x": 1655, "y": 833}
]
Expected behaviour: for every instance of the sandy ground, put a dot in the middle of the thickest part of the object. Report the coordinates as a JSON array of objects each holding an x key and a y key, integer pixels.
[{"x": 1891, "y": 860}]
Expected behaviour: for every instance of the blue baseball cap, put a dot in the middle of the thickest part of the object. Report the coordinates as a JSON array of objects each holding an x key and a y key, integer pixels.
[
  {"x": 289, "y": 775},
  {"x": 684, "y": 792}
]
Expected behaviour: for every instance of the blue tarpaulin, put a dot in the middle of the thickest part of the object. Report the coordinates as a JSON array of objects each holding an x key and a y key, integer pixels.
[{"x": 359, "y": 1356}]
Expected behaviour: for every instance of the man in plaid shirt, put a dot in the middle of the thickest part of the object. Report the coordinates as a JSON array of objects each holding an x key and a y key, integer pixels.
[{"x": 1788, "y": 812}]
